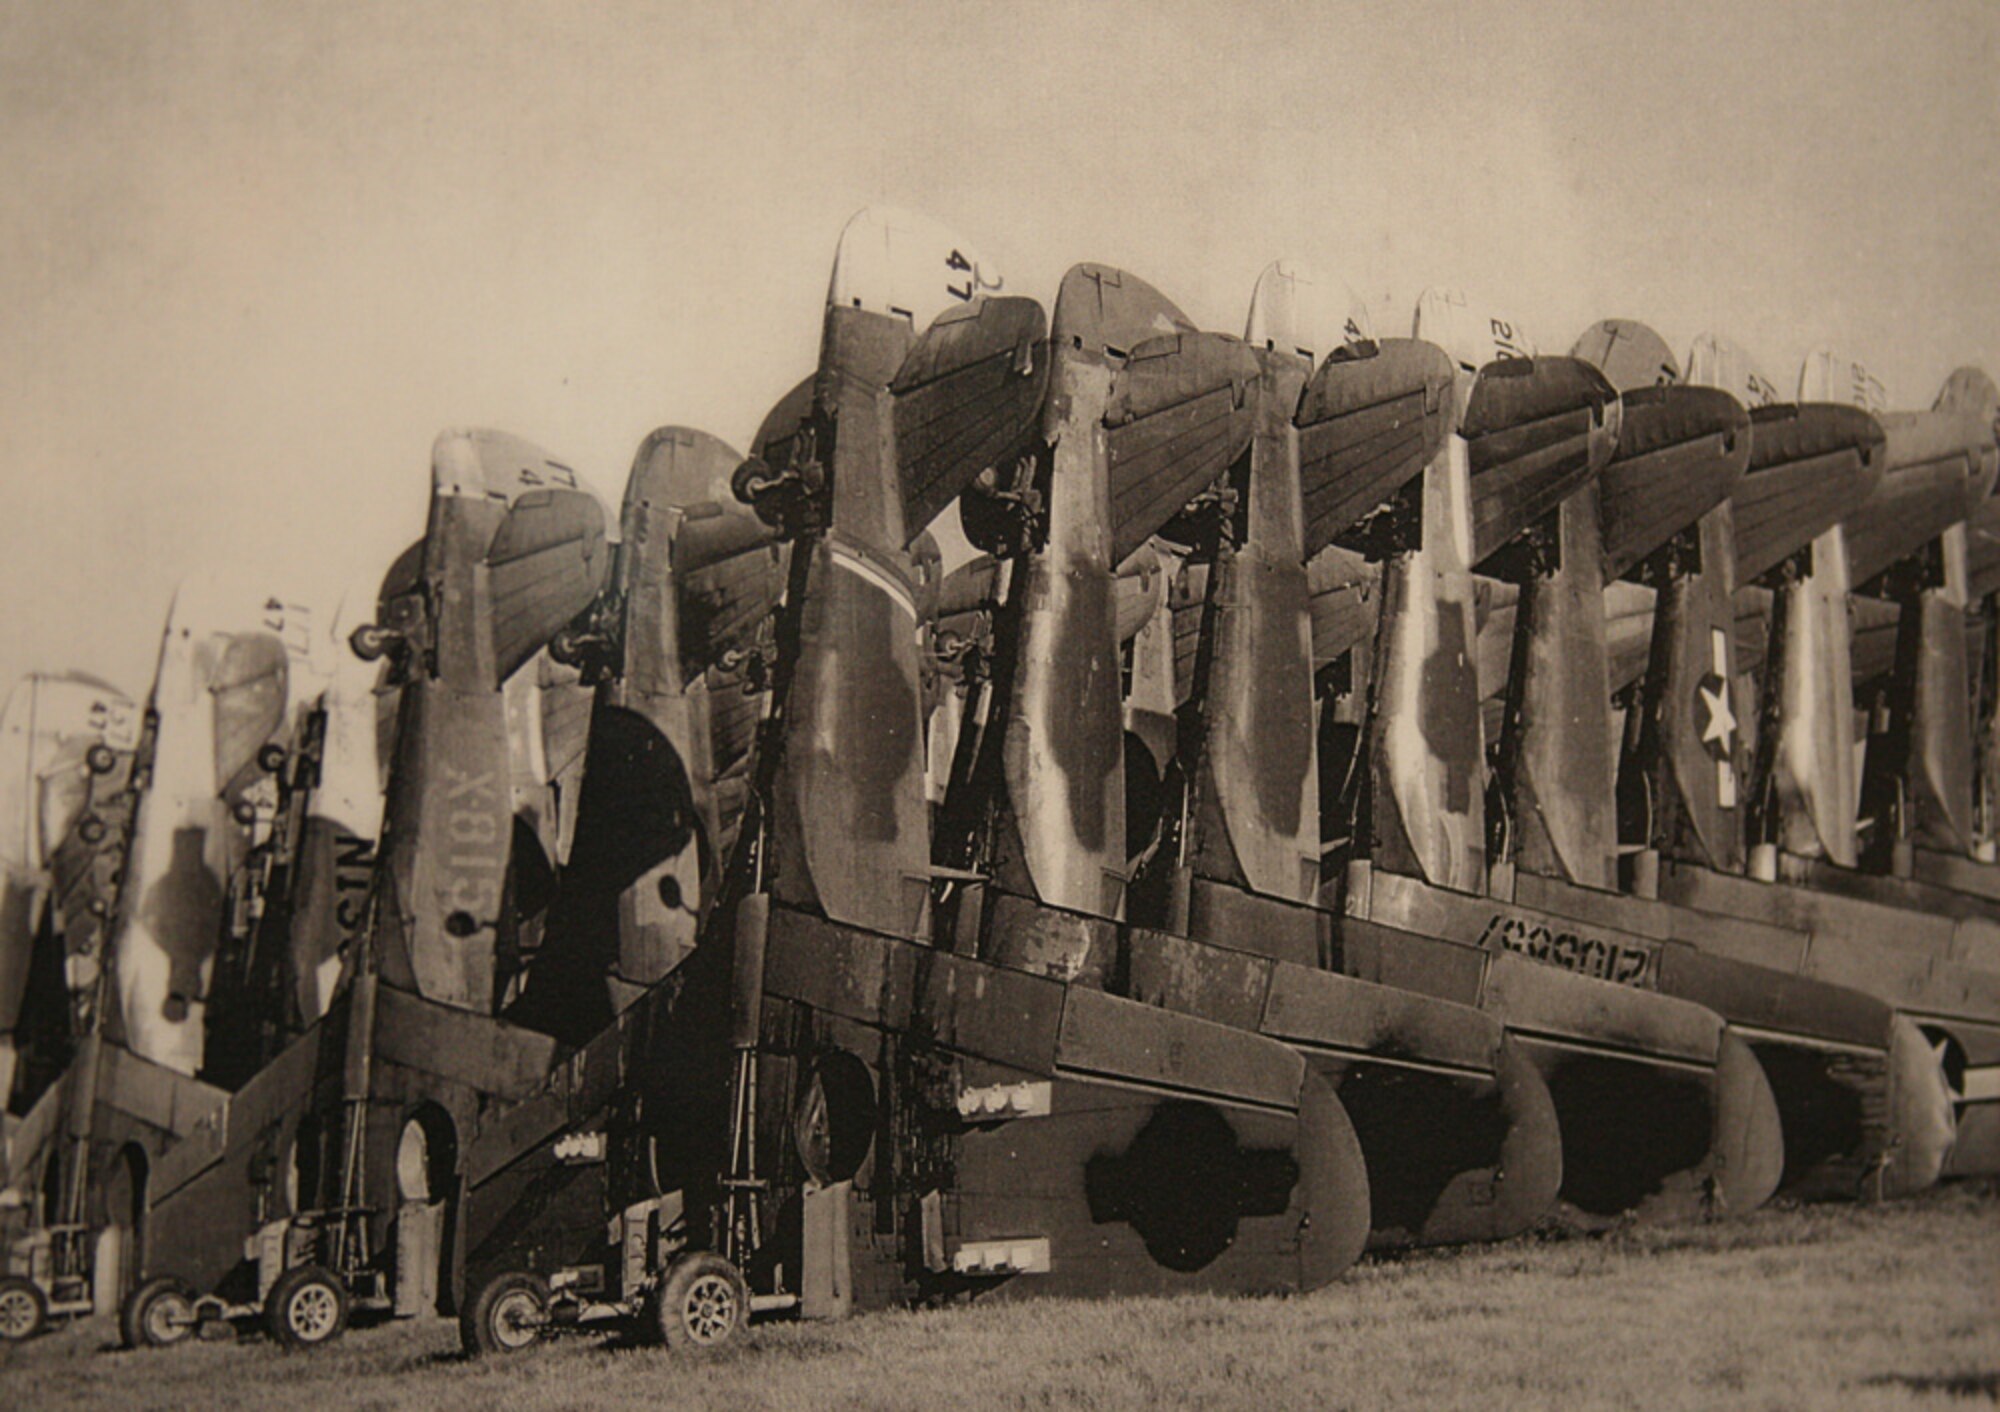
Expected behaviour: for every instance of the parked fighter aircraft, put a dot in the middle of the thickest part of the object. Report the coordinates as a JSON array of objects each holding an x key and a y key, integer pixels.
[
  {"x": 197, "y": 784},
  {"x": 59, "y": 733},
  {"x": 1796, "y": 784},
  {"x": 334, "y": 1165},
  {"x": 1856, "y": 1096},
  {"x": 1456, "y": 1126},
  {"x": 1662, "y": 1109},
  {"x": 1042, "y": 1124},
  {"x": 693, "y": 567}
]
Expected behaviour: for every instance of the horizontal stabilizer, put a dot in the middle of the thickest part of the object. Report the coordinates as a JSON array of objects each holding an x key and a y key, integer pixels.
[
  {"x": 680, "y": 466},
  {"x": 1872, "y": 653},
  {"x": 714, "y": 531},
  {"x": 1933, "y": 481},
  {"x": 1370, "y": 420},
  {"x": 1681, "y": 451},
  {"x": 723, "y": 598},
  {"x": 972, "y": 586},
  {"x": 1346, "y": 601},
  {"x": 546, "y": 563},
  {"x": 1811, "y": 466},
  {"x": 1135, "y": 592},
  {"x": 967, "y": 397},
  {"x": 250, "y": 686},
  {"x": 1628, "y": 353},
  {"x": 1982, "y": 557},
  {"x": 1629, "y": 609},
  {"x": 1536, "y": 431},
  {"x": 1179, "y": 417},
  {"x": 782, "y": 422}
]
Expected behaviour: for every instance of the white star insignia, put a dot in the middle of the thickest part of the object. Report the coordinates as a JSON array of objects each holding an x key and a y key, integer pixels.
[{"x": 1721, "y": 726}]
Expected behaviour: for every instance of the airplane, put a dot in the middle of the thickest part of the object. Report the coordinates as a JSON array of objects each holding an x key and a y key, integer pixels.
[
  {"x": 1663, "y": 1110},
  {"x": 694, "y": 568},
  {"x": 1717, "y": 831},
  {"x": 1041, "y": 1122},
  {"x": 186, "y": 808},
  {"x": 1858, "y": 1100},
  {"x": 1456, "y": 1128},
  {"x": 60, "y": 732},
  {"x": 337, "y": 1163}
]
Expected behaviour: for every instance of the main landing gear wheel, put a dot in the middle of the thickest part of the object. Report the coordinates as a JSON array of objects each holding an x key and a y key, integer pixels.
[
  {"x": 23, "y": 1311},
  {"x": 307, "y": 1307},
  {"x": 702, "y": 1304},
  {"x": 158, "y": 1314},
  {"x": 507, "y": 1315}
]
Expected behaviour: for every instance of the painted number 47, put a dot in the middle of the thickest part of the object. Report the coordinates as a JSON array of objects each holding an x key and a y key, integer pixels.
[{"x": 975, "y": 279}]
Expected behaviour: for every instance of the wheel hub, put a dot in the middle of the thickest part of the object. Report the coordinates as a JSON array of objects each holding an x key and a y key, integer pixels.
[
  {"x": 710, "y": 1311},
  {"x": 17, "y": 1313},
  {"x": 312, "y": 1313}
]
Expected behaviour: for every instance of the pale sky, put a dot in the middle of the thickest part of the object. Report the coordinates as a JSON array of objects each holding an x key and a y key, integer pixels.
[{"x": 253, "y": 258}]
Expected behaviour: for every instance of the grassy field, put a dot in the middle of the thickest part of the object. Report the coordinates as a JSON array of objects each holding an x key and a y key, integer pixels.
[{"x": 1835, "y": 1307}]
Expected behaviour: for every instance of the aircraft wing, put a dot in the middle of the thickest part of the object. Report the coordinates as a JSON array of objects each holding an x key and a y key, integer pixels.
[
  {"x": 968, "y": 396},
  {"x": 1680, "y": 452},
  {"x": 1536, "y": 430},
  {"x": 1371, "y": 418},
  {"x": 1179, "y": 416},
  {"x": 1811, "y": 466}
]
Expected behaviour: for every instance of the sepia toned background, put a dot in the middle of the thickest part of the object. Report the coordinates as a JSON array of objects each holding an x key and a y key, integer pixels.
[{"x": 254, "y": 257}]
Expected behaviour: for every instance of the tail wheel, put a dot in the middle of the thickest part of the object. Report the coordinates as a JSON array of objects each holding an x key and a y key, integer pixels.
[
  {"x": 23, "y": 1311},
  {"x": 369, "y": 642},
  {"x": 702, "y": 1304},
  {"x": 306, "y": 1307},
  {"x": 507, "y": 1315},
  {"x": 158, "y": 1314}
]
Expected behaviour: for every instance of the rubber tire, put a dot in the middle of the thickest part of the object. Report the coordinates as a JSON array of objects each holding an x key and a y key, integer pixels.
[
  {"x": 702, "y": 1305},
  {"x": 23, "y": 1311},
  {"x": 368, "y": 642},
  {"x": 505, "y": 1296},
  {"x": 135, "y": 1314},
  {"x": 307, "y": 1307},
  {"x": 270, "y": 757},
  {"x": 100, "y": 759},
  {"x": 91, "y": 830}
]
